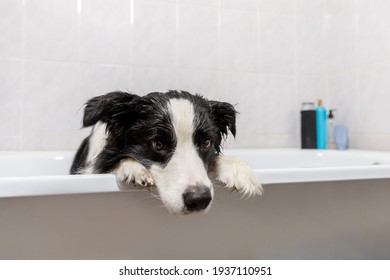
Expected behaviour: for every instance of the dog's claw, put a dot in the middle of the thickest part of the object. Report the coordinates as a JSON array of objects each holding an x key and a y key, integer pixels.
[{"x": 149, "y": 182}]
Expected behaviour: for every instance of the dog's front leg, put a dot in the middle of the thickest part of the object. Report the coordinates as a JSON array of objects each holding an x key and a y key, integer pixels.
[
  {"x": 130, "y": 171},
  {"x": 235, "y": 174}
]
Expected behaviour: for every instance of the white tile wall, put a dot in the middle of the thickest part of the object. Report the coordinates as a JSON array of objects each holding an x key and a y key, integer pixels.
[
  {"x": 198, "y": 35},
  {"x": 154, "y": 33},
  {"x": 205, "y": 82},
  {"x": 105, "y": 31},
  {"x": 243, "y": 5},
  {"x": 11, "y": 28},
  {"x": 373, "y": 36},
  {"x": 278, "y": 95},
  {"x": 359, "y": 69},
  {"x": 10, "y": 105},
  {"x": 239, "y": 40},
  {"x": 98, "y": 79},
  {"x": 277, "y": 46},
  {"x": 311, "y": 43},
  {"x": 264, "y": 56},
  {"x": 149, "y": 79},
  {"x": 50, "y": 118},
  {"x": 51, "y": 30},
  {"x": 279, "y": 7},
  {"x": 374, "y": 93},
  {"x": 341, "y": 35}
]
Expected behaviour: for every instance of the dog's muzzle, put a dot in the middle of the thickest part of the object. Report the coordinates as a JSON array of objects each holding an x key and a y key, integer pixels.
[{"x": 197, "y": 198}]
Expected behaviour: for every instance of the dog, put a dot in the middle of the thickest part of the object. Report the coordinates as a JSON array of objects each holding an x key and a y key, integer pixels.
[{"x": 171, "y": 141}]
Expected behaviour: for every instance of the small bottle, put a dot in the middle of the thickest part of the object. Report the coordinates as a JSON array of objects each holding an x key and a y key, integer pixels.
[
  {"x": 308, "y": 126},
  {"x": 330, "y": 130},
  {"x": 321, "y": 125},
  {"x": 341, "y": 136}
]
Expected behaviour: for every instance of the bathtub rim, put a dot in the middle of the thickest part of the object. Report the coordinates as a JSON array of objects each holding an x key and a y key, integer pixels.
[
  {"x": 288, "y": 175},
  {"x": 323, "y": 174},
  {"x": 100, "y": 183}
]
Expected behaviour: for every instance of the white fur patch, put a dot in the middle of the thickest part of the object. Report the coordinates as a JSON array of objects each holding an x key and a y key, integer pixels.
[
  {"x": 97, "y": 142},
  {"x": 233, "y": 173},
  {"x": 185, "y": 169}
]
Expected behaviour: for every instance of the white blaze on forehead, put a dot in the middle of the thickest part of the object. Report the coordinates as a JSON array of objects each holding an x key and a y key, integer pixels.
[
  {"x": 186, "y": 159},
  {"x": 182, "y": 113}
]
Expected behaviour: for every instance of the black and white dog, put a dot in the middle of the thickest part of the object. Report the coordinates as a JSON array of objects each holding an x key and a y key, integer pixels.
[{"x": 168, "y": 140}]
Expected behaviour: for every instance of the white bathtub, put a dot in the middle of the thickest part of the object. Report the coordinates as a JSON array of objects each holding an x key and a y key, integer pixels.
[{"x": 317, "y": 205}]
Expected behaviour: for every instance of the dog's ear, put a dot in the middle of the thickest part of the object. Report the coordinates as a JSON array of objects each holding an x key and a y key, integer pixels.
[
  {"x": 104, "y": 107},
  {"x": 224, "y": 117}
]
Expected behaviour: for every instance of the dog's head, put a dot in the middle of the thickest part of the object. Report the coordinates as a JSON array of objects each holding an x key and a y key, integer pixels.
[{"x": 175, "y": 135}]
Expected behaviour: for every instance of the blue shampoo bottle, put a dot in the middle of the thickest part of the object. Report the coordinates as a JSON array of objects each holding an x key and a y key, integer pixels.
[{"x": 321, "y": 125}]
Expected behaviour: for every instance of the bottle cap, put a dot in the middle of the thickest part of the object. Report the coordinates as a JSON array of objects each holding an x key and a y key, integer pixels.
[
  {"x": 319, "y": 102},
  {"x": 307, "y": 106},
  {"x": 330, "y": 116}
]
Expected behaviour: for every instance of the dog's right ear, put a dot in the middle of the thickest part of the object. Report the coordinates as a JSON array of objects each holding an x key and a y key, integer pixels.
[{"x": 101, "y": 108}]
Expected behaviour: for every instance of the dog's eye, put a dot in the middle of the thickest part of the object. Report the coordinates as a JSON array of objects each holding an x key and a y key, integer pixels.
[
  {"x": 206, "y": 144},
  {"x": 157, "y": 145}
]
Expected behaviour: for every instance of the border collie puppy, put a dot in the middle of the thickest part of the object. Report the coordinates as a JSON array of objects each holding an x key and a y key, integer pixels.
[{"x": 168, "y": 140}]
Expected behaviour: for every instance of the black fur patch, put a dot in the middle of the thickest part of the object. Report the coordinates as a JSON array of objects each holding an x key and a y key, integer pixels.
[{"x": 79, "y": 161}]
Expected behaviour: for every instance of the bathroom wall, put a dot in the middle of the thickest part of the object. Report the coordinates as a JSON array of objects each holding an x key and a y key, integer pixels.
[
  {"x": 265, "y": 56},
  {"x": 359, "y": 68}
]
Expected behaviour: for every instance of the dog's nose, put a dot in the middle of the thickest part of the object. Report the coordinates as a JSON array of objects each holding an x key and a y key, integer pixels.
[{"x": 197, "y": 198}]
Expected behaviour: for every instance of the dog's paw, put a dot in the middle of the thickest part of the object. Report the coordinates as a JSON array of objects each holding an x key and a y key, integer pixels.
[
  {"x": 235, "y": 174},
  {"x": 130, "y": 171}
]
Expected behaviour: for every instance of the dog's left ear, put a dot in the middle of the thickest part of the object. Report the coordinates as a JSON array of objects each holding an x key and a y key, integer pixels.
[{"x": 223, "y": 115}]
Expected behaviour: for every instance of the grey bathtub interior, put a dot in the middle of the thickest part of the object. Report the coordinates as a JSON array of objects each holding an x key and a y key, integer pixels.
[{"x": 329, "y": 220}]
